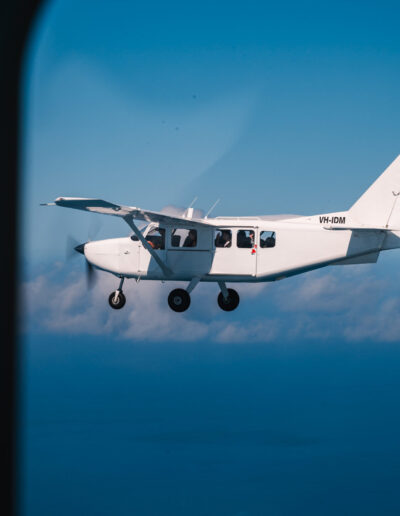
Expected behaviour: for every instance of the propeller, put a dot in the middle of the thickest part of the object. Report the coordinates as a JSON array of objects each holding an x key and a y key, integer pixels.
[
  {"x": 74, "y": 246},
  {"x": 90, "y": 274},
  {"x": 94, "y": 227},
  {"x": 71, "y": 247}
]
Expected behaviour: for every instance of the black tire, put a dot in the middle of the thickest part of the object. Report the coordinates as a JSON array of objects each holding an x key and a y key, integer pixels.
[
  {"x": 179, "y": 300},
  {"x": 231, "y": 303},
  {"x": 120, "y": 301}
]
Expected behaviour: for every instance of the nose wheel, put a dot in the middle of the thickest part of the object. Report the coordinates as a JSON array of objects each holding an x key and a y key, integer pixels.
[
  {"x": 179, "y": 300},
  {"x": 229, "y": 302},
  {"x": 117, "y": 299}
]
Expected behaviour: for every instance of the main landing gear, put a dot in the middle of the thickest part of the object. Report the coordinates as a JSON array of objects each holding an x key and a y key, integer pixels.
[
  {"x": 117, "y": 299},
  {"x": 228, "y": 299},
  {"x": 179, "y": 299},
  {"x": 230, "y": 302}
]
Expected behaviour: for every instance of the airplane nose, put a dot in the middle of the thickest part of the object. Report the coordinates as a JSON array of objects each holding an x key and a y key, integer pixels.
[{"x": 80, "y": 248}]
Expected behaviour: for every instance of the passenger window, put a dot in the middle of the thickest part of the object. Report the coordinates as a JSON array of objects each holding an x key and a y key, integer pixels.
[
  {"x": 245, "y": 238},
  {"x": 267, "y": 239},
  {"x": 156, "y": 238},
  {"x": 223, "y": 238},
  {"x": 184, "y": 237}
]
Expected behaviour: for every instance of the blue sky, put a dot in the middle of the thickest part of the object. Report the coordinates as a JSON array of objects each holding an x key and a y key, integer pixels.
[
  {"x": 289, "y": 108},
  {"x": 273, "y": 109}
]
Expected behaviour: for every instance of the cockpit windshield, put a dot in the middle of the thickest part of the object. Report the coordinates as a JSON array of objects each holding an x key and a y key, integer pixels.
[
  {"x": 155, "y": 237},
  {"x": 142, "y": 230}
]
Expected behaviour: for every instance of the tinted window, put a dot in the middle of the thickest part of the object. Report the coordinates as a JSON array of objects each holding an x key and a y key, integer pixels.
[
  {"x": 267, "y": 239},
  {"x": 142, "y": 229},
  {"x": 245, "y": 238},
  {"x": 156, "y": 238},
  {"x": 184, "y": 237},
  {"x": 223, "y": 238}
]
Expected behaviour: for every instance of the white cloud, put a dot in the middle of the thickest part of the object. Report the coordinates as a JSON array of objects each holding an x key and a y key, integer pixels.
[
  {"x": 328, "y": 304},
  {"x": 248, "y": 331}
]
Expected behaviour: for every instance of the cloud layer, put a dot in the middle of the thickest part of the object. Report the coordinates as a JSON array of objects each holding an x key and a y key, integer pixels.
[{"x": 347, "y": 303}]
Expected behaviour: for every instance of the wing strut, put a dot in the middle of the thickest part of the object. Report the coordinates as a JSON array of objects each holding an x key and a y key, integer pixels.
[{"x": 129, "y": 220}]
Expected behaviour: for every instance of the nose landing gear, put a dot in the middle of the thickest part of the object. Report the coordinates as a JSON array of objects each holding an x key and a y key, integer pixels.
[{"x": 117, "y": 299}]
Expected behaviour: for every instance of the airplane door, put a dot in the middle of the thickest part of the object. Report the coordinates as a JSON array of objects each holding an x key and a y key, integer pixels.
[
  {"x": 235, "y": 251},
  {"x": 189, "y": 251},
  {"x": 246, "y": 250}
]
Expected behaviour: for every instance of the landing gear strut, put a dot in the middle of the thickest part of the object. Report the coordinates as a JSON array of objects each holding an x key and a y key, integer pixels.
[
  {"x": 117, "y": 299},
  {"x": 228, "y": 299}
]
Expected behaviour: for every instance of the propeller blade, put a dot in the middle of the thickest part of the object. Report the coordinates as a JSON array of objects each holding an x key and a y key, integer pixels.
[
  {"x": 90, "y": 274},
  {"x": 94, "y": 228},
  {"x": 74, "y": 246},
  {"x": 71, "y": 246}
]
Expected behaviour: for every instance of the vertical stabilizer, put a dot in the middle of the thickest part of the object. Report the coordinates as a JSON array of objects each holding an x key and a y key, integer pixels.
[{"x": 378, "y": 206}]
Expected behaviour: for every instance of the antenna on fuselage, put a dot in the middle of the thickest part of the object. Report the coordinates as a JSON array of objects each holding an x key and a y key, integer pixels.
[
  {"x": 189, "y": 211},
  {"x": 211, "y": 209}
]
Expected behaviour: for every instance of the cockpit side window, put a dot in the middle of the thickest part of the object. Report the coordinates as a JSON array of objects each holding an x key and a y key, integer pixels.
[
  {"x": 267, "y": 239},
  {"x": 181, "y": 237},
  {"x": 223, "y": 238},
  {"x": 156, "y": 238}
]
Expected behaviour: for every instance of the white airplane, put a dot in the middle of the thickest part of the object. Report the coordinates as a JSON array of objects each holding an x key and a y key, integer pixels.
[{"x": 241, "y": 249}]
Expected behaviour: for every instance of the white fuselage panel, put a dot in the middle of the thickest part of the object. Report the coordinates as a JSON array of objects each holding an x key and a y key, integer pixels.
[{"x": 300, "y": 245}]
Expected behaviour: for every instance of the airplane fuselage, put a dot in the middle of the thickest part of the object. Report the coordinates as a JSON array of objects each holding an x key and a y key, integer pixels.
[
  {"x": 297, "y": 244},
  {"x": 241, "y": 249}
]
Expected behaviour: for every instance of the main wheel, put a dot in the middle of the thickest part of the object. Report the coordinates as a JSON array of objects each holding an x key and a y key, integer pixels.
[
  {"x": 231, "y": 302},
  {"x": 118, "y": 302},
  {"x": 179, "y": 300}
]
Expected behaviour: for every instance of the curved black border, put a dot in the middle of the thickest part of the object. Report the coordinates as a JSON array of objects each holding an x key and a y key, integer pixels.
[{"x": 16, "y": 17}]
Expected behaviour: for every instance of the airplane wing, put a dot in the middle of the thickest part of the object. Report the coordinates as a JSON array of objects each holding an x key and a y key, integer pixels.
[{"x": 126, "y": 212}]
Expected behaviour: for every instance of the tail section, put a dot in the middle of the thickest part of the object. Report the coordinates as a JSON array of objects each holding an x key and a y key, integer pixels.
[{"x": 377, "y": 206}]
